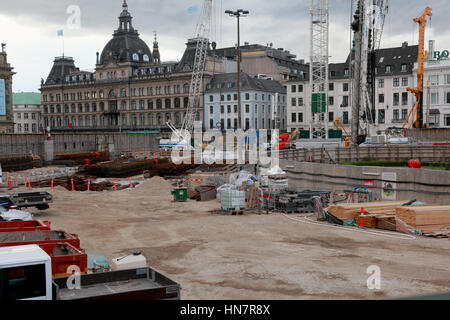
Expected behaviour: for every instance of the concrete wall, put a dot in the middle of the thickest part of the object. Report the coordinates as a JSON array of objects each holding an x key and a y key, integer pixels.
[
  {"x": 431, "y": 186},
  {"x": 22, "y": 144}
]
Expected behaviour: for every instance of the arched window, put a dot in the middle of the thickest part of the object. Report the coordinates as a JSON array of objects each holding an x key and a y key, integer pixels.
[
  {"x": 158, "y": 104},
  {"x": 102, "y": 107},
  {"x": 150, "y": 120},
  {"x": 168, "y": 117},
  {"x": 168, "y": 104},
  {"x": 72, "y": 108},
  {"x": 177, "y": 118},
  {"x": 74, "y": 121},
  {"x": 102, "y": 121},
  {"x": 150, "y": 104},
  {"x": 146, "y": 58},
  {"x": 87, "y": 108},
  {"x": 135, "y": 57},
  {"x": 123, "y": 93},
  {"x": 159, "y": 118},
  {"x": 177, "y": 103},
  {"x": 101, "y": 94},
  {"x": 80, "y": 121},
  {"x": 88, "y": 121},
  {"x": 58, "y": 121},
  {"x": 112, "y": 94},
  {"x": 80, "y": 108},
  {"x": 186, "y": 88},
  {"x": 94, "y": 107},
  {"x": 186, "y": 102},
  {"x": 123, "y": 105}
]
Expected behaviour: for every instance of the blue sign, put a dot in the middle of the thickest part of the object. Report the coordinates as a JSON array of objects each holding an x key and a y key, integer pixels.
[{"x": 2, "y": 97}]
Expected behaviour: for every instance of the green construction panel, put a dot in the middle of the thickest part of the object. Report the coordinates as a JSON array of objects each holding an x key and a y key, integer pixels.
[
  {"x": 335, "y": 134},
  {"x": 316, "y": 102},
  {"x": 304, "y": 134}
]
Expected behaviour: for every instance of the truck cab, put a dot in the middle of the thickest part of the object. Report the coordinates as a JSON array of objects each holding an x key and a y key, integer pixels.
[{"x": 25, "y": 273}]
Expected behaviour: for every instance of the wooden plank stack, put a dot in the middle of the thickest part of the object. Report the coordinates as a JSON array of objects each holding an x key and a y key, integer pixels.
[
  {"x": 347, "y": 211},
  {"x": 429, "y": 220}
]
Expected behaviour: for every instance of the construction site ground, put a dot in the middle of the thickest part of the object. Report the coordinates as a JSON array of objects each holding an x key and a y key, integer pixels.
[{"x": 252, "y": 256}]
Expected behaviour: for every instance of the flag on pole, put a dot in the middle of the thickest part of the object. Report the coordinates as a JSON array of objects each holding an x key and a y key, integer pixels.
[{"x": 60, "y": 33}]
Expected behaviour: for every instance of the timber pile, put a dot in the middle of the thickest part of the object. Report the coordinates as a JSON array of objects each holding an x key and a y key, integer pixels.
[
  {"x": 431, "y": 220},
  {"x": 348, "y": 211}
]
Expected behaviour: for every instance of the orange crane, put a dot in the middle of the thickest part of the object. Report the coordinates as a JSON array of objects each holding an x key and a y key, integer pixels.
[{"x": 415, "y": 116}]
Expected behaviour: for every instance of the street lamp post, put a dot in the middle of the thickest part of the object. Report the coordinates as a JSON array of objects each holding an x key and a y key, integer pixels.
[{"x": 238, "y": 13}]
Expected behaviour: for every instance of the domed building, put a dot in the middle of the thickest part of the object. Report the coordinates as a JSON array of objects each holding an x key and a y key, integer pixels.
[{"x": 130, "y": 89}]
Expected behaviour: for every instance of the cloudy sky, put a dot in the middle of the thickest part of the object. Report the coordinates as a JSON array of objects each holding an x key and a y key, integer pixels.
[{"x": 29, "y": 27}]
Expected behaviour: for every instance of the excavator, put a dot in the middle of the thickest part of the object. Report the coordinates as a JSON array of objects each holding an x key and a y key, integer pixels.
[
  {"x": 415, "y": 115},
  {"x": 346, "y": 137},
  {"x": 285, "y": 140}
]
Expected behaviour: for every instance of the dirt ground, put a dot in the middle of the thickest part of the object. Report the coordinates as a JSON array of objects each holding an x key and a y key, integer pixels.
[{"x": 253, "y": 256}]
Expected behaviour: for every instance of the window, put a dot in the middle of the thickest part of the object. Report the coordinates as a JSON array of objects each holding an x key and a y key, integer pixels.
[
  {"x": 448, "y": 97},
  {"x": 388, "y": 69},
  {"x": 228, "y": 109},
  {"x": 294, "y": 102},
  {"x": 330, "y": 116},
  {"x": 345, "y": 117},
  {"x": 447, "y": 77},
  {"x": 25, "y": 116},
  {"x": 331, "y": 86},
  {"x": 300, "y": 88},
  {"x": 434, "y": 98},
  {"x": 228, "y": 97},
  {"x": 381, "y": 98},
  {"x": 294, "y": 118},
  {"x": 404, "y": 114},
  {"x": 331, "y": 101},
  {"x": 247, "y": 96},
  {"x": 396, "y": 82},
  {"x": 404, "y": 98},
  {"x": 396, "y": 99},
  {"x": 222, "y": 97},
  {"x": 381, "y": 83},
  {"x": 345, "y": 101},
  {"x": 447, "y": 120},
  {"x": 211, "y": 110},
  {"x": 247, "y": 108},
  {"x": 404, "y": 67},
  {"x": 211, "y": 123},
  {"x": 381, "y": 116},
  {"x": 168, "y": 104},
  {"x": 345, "y": 87},
  {"x": 434, "y": 80},
  {"x": 300, "y": 117},
  {"x": 222, "y": 109},
  {"x": 23, "y": 282},
  {"x": 211, "y": 98},
  {"x": 300, "y": 102},
  {"x": 293, "y": 88},
  {"x": 404, "y": 82},
  {"x": 396, "y": 115}
]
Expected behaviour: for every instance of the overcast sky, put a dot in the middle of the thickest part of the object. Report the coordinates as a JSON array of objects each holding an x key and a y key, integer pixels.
[{"x": 29, "y": 28}]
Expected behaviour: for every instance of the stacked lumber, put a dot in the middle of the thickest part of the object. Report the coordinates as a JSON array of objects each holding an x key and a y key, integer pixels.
[
  {"x": 348, "y": 211},
  {"x": 428, "y": 219}
]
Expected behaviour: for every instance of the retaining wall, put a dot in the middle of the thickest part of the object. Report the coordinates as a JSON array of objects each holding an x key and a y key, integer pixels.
[{"x": 431, "y": 186}]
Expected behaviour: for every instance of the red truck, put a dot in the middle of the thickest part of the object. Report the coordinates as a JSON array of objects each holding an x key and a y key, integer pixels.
[
  {"x": 39, "y": 237},
  {"x": 17, "y": 226}
]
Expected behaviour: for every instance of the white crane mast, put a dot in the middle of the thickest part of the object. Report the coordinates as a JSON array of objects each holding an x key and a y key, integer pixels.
[
  {"x": 319, "y": 78},
  {"x": 202, "y": 34}
]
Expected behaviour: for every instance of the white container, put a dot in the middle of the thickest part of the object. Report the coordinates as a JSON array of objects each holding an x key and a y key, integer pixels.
[{"x": 129, "y": 262}]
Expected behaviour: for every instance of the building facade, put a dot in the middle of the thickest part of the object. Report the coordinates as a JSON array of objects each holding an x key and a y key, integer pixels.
[
  {"x": 6, "y": 74},
  {"x": 436, "y": 92},
  {"x": 277, "y": 64},
  {"x": 259, "y": 110},
  {"x": 130, "y": 89},
  {"x": 27, "y": 112},
  {"x": 394, "y": 74}
]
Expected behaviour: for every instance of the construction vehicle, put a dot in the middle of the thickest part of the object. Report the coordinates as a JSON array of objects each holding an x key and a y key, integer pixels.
[
  {"x": 286, "y": 140},
  {"x": 338, "y": 123},
  {"x": 415, "y": 116},
  {"x": 26, "y": 274}
]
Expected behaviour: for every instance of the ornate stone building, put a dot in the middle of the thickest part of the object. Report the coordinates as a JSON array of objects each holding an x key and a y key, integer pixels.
[
  {"x": 130, "y": 89},
  {"x": 6, "y": 74}
]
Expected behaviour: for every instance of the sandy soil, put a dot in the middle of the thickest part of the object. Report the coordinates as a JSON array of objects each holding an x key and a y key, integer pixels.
[{"x": 247, "y": 257}]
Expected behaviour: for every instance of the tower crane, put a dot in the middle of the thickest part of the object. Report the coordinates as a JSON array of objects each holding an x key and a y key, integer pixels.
[
  {"x": 368, "y": 27},
  {"x": 417, "y": 110},
  {"x": 202, "y": 34}
]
